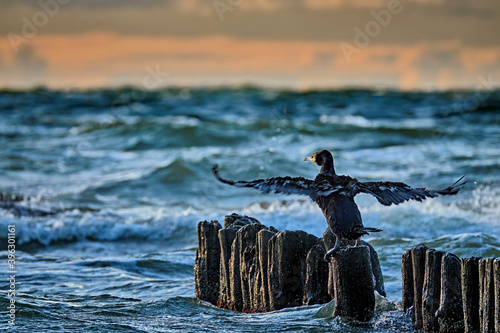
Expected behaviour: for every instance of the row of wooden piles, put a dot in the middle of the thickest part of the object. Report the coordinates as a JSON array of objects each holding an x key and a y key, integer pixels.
[
  {"x": 448, "y": 294},
  {"x": 249, "y": 267}
]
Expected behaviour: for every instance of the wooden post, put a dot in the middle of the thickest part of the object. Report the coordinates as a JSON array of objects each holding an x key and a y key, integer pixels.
[
  {"x": 226, "y": 238},
  {"x": 235, "y": 297},
  {"x": 496, "y": 274},
  {"x": 287, "y": 268},
  {"x": 376, "y": 270},
  {"x": 467, "y": 291},
  {"x": 418, "y": 261},
  {"x": 331, "y": 283},
  {"x": 353, "y": 279},
  {"x": 251, "y": 268},
  {"x": 407, "y": 277},
  {"x": 207, "y": 262},
  {"x": 248, "y": 263},
  {"x": 486, "y": 295},
  {"x": 261, "y": 290},
  {"x": 470, "y": 293},
  {"x": 316, "y": 283},
  {"x": 329, "y": 240},
  {"x": 432, "y": 290},
  {"x": 450, "y": 313}
]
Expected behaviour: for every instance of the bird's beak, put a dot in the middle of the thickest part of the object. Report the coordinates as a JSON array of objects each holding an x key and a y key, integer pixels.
[{"x": 308, "y": 159}]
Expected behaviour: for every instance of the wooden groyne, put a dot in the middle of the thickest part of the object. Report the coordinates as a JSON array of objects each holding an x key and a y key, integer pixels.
[
  {"x": 448, "y": 294},
  {"x": 249, "y": 267}
]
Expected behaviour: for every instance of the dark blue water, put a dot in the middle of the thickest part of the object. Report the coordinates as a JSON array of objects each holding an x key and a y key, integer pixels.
[{"x": 115, "y": 181}]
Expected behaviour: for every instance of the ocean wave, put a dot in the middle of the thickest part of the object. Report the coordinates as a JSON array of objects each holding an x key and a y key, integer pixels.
[
  {"x": 412, "y": 126},
  {"x": 473, "y": 210},
  {"x": 73, "y": 226},
  {"x": 156, "y": 268},
  {"x": 467, "y": 244}
]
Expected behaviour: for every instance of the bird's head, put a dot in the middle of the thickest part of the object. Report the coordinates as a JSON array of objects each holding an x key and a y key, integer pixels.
[{"x": 321, "y": 158}]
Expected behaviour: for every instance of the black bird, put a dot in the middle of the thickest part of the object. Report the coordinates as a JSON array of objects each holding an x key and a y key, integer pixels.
[{"x": 335, "y": 194}]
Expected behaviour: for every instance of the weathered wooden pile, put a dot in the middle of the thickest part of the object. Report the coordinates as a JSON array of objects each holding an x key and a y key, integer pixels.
[
  {"x": 249, "y": 267},
  {"x": 447, "y": 294}
]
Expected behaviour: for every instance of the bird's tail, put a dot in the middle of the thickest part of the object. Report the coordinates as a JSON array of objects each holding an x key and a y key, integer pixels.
[{"x": 370, "y": 229}]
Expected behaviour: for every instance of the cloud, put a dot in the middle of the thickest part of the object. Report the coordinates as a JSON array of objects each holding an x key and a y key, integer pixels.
[
  {"x": 443, "y": 55},
  {"x": 328, "y": 4},
  {"x": 324, "y": 59},
  {"x": 91, "y": 4},
  {"x": 29, "y": 64},
  {"x": 448, "y": 42},
  {"x": 263, "y": 5},
  {"x": 67, "y": 61},
  {"x": 24, "y": 68},
  {"x": 367, "y": 4},
  {"x": 306, "y": 20}
]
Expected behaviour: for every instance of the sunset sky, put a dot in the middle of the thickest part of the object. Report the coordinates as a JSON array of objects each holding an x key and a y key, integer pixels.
[{"x": 300, "y": 44}]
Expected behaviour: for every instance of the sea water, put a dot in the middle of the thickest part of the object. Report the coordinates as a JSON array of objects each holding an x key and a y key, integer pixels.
[{"x": 115, "y": 181}]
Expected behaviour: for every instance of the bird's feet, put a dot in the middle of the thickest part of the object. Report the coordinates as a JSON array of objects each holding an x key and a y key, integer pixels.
[
  {"x": 330, "y": 253},
  {"x": 334, "y": 249}
]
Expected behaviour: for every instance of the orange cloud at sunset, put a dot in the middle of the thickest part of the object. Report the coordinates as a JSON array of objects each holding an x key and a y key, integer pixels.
[
  {"x": 424, "y": 44},
  {"x": 103, "y": 59}
]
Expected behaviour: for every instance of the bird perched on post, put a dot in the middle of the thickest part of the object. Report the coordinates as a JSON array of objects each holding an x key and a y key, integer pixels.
[{"x": 335, "y": 194}]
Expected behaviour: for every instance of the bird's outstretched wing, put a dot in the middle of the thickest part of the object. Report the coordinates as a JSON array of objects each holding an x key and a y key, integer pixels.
[
  {"x": 388, "y": 193},
  {"x": 284, "y": 185}
]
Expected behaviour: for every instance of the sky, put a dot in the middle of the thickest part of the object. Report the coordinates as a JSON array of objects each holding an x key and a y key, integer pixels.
[{"x": 298, "y": 44}]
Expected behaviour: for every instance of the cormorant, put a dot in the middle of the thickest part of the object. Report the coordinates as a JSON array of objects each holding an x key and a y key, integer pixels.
[{"x": 335, "y": 194}]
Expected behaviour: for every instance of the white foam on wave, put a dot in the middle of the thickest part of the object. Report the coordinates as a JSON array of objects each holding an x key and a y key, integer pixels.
[
  {"x": 360, "y": 121},
  {"x": 295, "y": 214},
  {"x": 476, "y": 211},
  {"x": 104, "y": 226}
]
